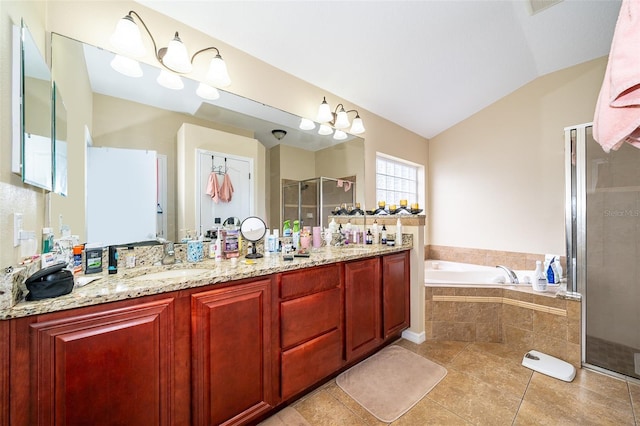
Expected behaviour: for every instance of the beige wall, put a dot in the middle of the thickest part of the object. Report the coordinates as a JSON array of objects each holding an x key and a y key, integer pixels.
[
  {"x": 15, "y": 197},
  {"x": 497, "y": 178}
]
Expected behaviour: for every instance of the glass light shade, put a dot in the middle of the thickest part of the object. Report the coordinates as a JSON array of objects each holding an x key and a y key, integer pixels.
[
  {"x": 306, "y": 124},
  {"x": 126, "y": 38},
  {"x": 325, "y": 130},
  {"x": 126, "y": 66},
  {"x": 170, "y": 80},
  {"x": 218, "y": 76},
  {"x": 339, "y": 135},
  {"x": 176, "y": 56},
  {"x": 342, "y": 121},
  {"x": 324, "y": 112},
  {"x": 207, "y": 92},
  {"x": 357, "y": 126}
]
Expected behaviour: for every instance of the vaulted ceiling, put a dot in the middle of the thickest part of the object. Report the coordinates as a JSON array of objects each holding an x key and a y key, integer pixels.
[{"x": 425, "y": 65}]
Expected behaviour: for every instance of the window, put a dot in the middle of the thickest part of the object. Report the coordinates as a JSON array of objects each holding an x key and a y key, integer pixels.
[{"x": 398, "y": 180}]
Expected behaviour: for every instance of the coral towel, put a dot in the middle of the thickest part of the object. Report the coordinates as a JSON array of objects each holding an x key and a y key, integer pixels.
[
  {"x": 617, "y": 115},
  {"x": 213, "y": 188},
  {"x": 226, "y": 190}
]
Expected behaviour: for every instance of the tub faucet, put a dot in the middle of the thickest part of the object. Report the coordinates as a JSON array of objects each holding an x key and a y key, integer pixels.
[{"x": 512, "y": 275}]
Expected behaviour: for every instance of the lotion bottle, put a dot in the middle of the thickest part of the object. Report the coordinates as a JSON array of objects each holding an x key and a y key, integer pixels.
[
  {"x": 218, "y": 248},
  {"x": 539, "y": 278}
]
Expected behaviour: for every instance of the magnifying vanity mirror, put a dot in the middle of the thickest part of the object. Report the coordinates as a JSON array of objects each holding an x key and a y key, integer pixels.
[{"x": 253, "y": 229}]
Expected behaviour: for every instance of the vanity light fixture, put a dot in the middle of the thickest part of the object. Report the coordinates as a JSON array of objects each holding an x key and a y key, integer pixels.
[
  {"x": 325, "y": 130},
  {"x": 339, "y": 135},
  {"x": 127, "y": 40},
  {"x": 339, "y": 117}
]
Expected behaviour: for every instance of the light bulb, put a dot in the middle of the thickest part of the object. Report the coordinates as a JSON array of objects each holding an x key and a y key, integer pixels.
[
  {"x": 126, "y": 66},
  {"x": 324, "y": 112},
  {"x": 126, "y": 38},
  {"x": 357, "y": 126},
  {"x": 207, "y": 92},
  {"x": 170, "y": 80},
  {"x": 218, "y": 76},
  {"x": 325, "y": 130},
  {"x": 306, "y": 124},
  {"x": 176, "y": 56},
  {"x": 339, "y": 135},
  {"x": 342, "y": 121}
]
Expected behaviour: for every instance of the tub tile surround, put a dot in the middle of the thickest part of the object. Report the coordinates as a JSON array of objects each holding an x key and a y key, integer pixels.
[
  {"x": 514, "y": 260},
  {"x": 521, "y": 320}
]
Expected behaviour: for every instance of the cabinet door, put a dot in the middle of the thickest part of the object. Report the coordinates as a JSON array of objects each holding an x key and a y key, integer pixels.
[
  {"x": 395, "y": 287},
  {"x": 362, "y": 307},
  {"x": 113, "y": 367},
  {"x": 232, "y": 353}
]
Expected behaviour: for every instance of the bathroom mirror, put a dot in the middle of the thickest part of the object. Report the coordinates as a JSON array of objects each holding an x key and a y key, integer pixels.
[
  {"x": 35, "y": 158},
  {"x": 137, "y": 113}
]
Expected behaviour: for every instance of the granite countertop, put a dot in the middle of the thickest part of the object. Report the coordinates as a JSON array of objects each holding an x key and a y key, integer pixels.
[{"x": 130, "y": 283}]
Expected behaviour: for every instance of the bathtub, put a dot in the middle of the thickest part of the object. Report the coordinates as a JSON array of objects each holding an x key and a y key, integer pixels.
[{"x": 442, "y": 272}]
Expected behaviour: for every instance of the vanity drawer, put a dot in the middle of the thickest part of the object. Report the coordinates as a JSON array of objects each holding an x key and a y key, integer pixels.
[
  {"x": 311, "y": 362},
  {"x": 299, "y": 283},
  {"x": 309, "y": 316}
]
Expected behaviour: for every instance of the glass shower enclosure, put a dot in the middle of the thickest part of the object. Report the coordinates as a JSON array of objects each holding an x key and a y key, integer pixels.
[
  {"x": 311, "y": 201},
  {"x": 603, "y": 249}
]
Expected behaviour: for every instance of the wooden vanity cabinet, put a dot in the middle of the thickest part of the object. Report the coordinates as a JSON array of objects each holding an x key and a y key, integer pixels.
[
  {"x": 110, "y": 364},
  {"x": 363, "y": 320},
  {"x": 234, "y": 344},
  {"x": 395, "y": 293},
  {"x": 311, "y": 333}
]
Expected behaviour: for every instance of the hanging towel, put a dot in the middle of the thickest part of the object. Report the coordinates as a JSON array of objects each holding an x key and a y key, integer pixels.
[
  {"x": 213, "y": 188},
  {"x": 617, "y": 116},
  {"x": 226, "y": 190}
]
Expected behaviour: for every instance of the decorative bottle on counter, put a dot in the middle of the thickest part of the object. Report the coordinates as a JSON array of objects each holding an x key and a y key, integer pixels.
[
  {"x": 369, "y": 238},
  {"x": 383, "y": 235}
]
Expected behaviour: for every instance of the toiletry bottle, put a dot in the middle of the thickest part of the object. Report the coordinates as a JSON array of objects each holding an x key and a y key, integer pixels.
[
  {"x": 539, "y": 278},
  {"x": 130, "y": 261},
  {"x": 47, "y": 240},
  {"x": 369, "y": 238},
  {"x": 113, "y": 260},
  {"x": 286, "y": 228},
  {"x": 398, "y": 241},
  {"x": 218, "y": 248},
  {"x": 383, "y": 235},
  {"x": 376, "y": 232},
  {"x": 296, "y": 234},
  {"x": 551, "y": 276},
  {"x": 265, "y": 241},
  {"x": 558, "y": 266},
  {"x": 212, "y": 248}
]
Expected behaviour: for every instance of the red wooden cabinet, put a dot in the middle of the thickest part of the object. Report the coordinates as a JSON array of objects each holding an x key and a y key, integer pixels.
[
  {"x": 311, "y": 316},
  {"x": 363, "y": 319},
  {"x": 395, "y": 293},
  {"x": 233, "y": 353},
  {"x": 109, "y": 367}
]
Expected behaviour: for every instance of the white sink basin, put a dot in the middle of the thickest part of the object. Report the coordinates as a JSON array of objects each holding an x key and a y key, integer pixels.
[{"x": 173, "y": 273}]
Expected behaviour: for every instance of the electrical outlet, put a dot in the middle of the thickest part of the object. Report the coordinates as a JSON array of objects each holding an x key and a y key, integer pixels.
[{"x": 17, "y": 228}]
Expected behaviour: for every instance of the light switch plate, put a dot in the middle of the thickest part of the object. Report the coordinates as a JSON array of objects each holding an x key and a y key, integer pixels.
[{"x": 17, "y": 227}]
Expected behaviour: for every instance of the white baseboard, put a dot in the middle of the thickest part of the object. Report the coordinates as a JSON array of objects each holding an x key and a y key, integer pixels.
[{"x": 416, "y": 338}]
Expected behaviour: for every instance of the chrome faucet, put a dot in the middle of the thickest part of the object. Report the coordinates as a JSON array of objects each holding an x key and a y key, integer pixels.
[
  {"x": 168, "y": 253},
  {"x": 512, "y": 275}
]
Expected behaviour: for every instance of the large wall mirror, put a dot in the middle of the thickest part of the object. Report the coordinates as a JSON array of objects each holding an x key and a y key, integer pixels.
[
  {"x": 32, "y": 146},
  {"x": 136, "y": 113}
]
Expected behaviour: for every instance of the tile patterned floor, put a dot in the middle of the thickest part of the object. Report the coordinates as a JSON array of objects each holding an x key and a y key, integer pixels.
[{"x": 486, "y": 385}]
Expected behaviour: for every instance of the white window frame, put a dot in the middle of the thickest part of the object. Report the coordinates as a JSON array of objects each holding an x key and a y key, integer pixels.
[{"x": 413, "y": 189}]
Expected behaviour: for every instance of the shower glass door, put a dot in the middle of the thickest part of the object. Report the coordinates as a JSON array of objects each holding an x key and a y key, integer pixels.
[{"x": 604, "y": 248}]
